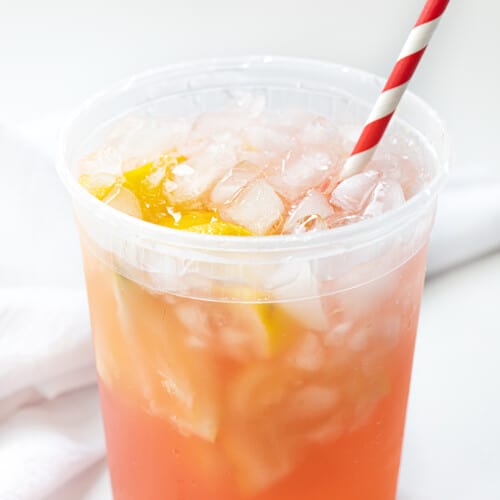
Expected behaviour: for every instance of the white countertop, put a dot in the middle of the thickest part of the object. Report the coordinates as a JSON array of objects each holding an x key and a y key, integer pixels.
[{"x": 452, "y": 443}]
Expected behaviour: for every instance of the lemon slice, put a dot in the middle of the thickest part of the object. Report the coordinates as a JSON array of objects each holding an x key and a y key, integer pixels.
[
  {"x": 135, "y": 176},
  {"x": 273, "y": 328},
  {"x": 98, "y": 185},
  {"x": 204, "y": 222},
  {"x": 166, "y": 376},
  {"x": 280, "y": 328},
  {"x": 145, "y": 185},
  {"x": 185, "y": 219},
  {"x": 146, "y": 182},
  {"x": 124, "y": 200},
  {"x": 221, "y": 228}
]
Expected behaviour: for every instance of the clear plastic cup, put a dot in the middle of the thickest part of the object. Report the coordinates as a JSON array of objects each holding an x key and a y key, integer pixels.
[{"x": 258, "y": 368}]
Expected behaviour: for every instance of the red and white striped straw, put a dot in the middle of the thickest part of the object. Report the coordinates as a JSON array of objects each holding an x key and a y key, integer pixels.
[{"x": 386, "y": 104}]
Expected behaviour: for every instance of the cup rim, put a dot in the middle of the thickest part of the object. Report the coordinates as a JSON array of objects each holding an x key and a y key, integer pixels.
[{"x": 346, "y": 236}]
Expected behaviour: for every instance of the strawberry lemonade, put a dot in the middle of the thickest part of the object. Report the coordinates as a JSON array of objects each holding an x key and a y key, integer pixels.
[{"x": 253, "y": 318}]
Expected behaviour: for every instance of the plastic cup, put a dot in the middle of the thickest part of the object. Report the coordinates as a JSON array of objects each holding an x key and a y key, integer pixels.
[{"x": 257, "y": 368}]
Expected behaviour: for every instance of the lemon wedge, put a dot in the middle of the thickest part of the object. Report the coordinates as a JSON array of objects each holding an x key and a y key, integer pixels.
[
  {"x": 146, "y": 182},
  {"x": 280, "y": 328},
  {"x": 220, "y": 228},
  {"x": 273, "y": 328},
  {"x": 98, "y": 185}
]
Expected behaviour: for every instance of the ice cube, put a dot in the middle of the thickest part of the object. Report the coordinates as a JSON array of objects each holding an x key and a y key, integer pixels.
[
  {"x": 260, "y": 137},
  {"x": 263, "y": 158},
  {"x": 194, "y": 146},
  {"x": 249, "y": 391},
  {"x": 182, "y": 170},
  {"x": 233, "y": 182},
  {"x": 308, "y": 353},
  {"x": 143, "y": 140},
  {"x": 339, "y": 220},
  {"x": 200, "y": 172},
  {"x": 298, "y": 172},
  {"x": 352, "y": 194},
  {"x": 231, "y": 139},
  {"x": 250, "y": 103},
  {"x": 338, "y": 334},
  {"x": 214, "y": 123},
  {"x": 106, "y": 160},
  {"x": 241, "y": 334},
  {"x": 318, "y": 131},
  {"x": 328, "y": 430},
  {"x": 235, "y": 343},
  {"x": 386, "y": 196},
  {"x": 181, "y": 392},
  {"x": 401, "y": 168},
  {"x": 310, "y": 312},
  {"x": 312, "y": 402},
  {"x": 259, "y": 457},
  {"x": 349, "y": 134},
  {"x": 291, "y": 120},
  {"x": 399, "y": 145},
  {"x": 358, "y": 339},
  {"x": 124, "y": 200},
  {"x": 311, "y": 223},
  {"x": 311, "y": 209},
  {"x": 257, "y": 207},
  {"x": 387, "y": 164},
  {"x": 194, "y": 319},
  {"x": 290, "y": 282},
  {"x": 154, "y": 179}
]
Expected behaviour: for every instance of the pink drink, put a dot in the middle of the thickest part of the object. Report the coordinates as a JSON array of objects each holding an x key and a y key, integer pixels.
[{"x": 235, "y": 366}]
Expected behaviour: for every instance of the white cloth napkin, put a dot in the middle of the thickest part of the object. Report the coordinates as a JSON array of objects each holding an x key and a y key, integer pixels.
[
  {"x": 50, "y": 427},
  {"x": 49, "y": 419},
  {"x": 467, "y": 222}
]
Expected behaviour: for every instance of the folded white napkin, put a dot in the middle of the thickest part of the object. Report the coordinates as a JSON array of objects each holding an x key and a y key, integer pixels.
[
  {"x": 467, "y": 222},
  {"x": 45, "y": 341},
  {"x": 49, "y": 419},
  {"x": 45, "y": 445},
  {"x": 50, "y": 427}
]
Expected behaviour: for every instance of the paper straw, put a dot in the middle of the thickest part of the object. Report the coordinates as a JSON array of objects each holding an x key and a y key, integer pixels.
[{"x": 386, "y": 104}]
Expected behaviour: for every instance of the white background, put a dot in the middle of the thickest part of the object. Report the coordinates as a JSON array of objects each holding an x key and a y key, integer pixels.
[{"x": 54, "y": 53}]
